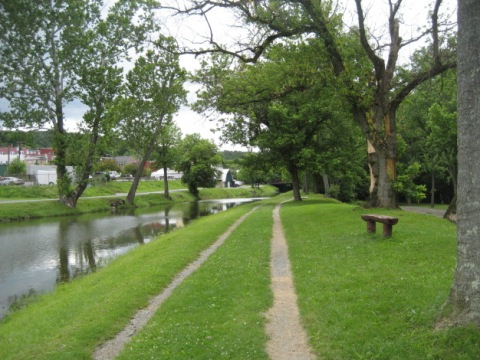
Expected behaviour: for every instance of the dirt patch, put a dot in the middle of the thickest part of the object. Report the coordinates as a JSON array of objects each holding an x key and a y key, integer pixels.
[
  {"x": 111, "y": 348},
  {"x": 288, "y": 339}
]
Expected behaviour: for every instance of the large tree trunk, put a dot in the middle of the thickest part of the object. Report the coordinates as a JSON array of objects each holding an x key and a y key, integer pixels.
[
  {"x": 306, "y": 183},
  {"x": 382, "y": 175},
  {"x": 293, "y": 170},
  {"x": 465, "y": 294}
]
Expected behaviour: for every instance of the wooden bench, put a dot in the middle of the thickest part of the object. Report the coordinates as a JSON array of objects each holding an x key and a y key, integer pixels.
[{"x": 387, "y": 222}]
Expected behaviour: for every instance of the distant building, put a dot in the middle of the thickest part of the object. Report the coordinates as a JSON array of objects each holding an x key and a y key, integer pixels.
[
  {"x": 42, "y": 156},
  {"x": 226, "y": 180},
  {"x": 171, "y": 174},
  {"x": 125, "y": 160}
]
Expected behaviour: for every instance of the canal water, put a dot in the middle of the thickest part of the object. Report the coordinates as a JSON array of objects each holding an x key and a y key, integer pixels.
[{"x": 36, "y": 255}]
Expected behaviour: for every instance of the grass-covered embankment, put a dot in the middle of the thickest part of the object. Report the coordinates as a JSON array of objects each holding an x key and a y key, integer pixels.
[
  {"x": 360, "y": 296},
  {"x": 363, "y": 297},
  {"x": 96, "y": 189},
  {"x": 70, "y": 322},
  {"x": 98, "y": 198}
]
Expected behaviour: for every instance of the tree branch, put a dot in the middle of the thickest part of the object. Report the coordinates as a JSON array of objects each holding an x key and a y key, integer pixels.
[{"x": 378, "y": 63}]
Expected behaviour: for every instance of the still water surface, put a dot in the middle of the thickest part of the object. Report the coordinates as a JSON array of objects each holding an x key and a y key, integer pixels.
[{"x": 38, "y": 254}]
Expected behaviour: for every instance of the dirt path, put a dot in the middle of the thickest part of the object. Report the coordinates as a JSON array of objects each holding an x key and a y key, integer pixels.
[
  {"x": 423, "y": 210},
  {"x": 288, "y": 339},
  {"x": 112, "y": 348}
]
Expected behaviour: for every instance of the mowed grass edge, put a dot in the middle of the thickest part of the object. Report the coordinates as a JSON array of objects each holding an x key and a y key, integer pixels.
[
  {"x": 70, "y": 322},
  {"x": 365, "y": 297},
  {"x": 218, "y": 312}
]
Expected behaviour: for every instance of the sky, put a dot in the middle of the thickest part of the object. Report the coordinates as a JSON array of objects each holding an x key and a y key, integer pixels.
[{"x": 192, "y": 31}]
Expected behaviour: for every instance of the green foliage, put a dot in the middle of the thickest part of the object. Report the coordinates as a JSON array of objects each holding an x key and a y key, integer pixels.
[
  {"x": 253, "y": 169},
  {"x": 31, "y": 139},
  {"x": 153, "y": 93},
  {"x": 198, "y": 162},
  {"x": 108, "y": 165},
  {"x": 130, "y": 169},
  {"x": 283, "y": 106},
  {"x": 17, "y": 167},
  {"x": 228, "y": 155},
  {"x": 70, "y": 50},
  {"x": 167, "y": 151},
  {"x": 428, "y": 134},
  {"x": 405, "y": 185}
]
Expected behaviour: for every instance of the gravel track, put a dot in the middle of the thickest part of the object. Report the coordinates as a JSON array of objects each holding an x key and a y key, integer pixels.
[{"x": 288, "y": 339}]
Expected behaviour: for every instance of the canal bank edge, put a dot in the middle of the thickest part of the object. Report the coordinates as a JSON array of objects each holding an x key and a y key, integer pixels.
[{"x": 23, "y": 210}]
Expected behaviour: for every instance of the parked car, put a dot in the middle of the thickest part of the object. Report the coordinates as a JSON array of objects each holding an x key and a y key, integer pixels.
[
  {"x": 100, "y": 175},
  {"x": 10, "y": 180},
  {"x": 114, "y": 175}
]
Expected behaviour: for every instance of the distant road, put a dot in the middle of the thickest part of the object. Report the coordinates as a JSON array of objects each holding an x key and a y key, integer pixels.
[{"x": 425, "y": 210}]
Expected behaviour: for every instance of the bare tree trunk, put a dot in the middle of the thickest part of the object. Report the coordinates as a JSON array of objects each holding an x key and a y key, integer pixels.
[
  {"x": 165, "y": 183},
  {"x": 63, "y": 179},
  {"x": 382, "y": 175},
  {"x": 138, "y": 175},
  {"x": 293, "y": 170},
  {"x": 465, "y": 295},
  {"x": 326, "y": 183}
]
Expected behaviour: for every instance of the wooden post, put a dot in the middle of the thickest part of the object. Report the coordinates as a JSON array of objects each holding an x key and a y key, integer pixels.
[
  {"x": 387, "y": 230},
  {"x": 371, "y": 226}
]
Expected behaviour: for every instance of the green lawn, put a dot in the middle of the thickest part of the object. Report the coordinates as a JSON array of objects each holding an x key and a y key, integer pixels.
[
  {"x": 365, "y": 297},
  {"x": 360, "y": 296},
  {"x": 217, "y": 313}
]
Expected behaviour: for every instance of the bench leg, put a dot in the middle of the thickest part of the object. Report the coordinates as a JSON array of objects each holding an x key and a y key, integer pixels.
[
  {"x": 387, "y": 230},
  {"x": 371, "y": 226}
]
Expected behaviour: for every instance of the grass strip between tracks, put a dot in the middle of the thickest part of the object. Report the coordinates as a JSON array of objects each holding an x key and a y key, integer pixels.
[{"x": 217, "y": 313}]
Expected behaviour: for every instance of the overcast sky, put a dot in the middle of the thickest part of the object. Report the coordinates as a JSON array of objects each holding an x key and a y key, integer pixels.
[{"x": 414, "y": 15}]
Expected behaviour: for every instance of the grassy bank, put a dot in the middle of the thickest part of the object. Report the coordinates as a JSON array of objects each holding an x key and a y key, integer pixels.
[
  {"x": 97, "y": 189},
  {"x": 360, "y": 296},
  {"x": 70, "y": 322},
  {"x": 368, "y": 298},
  {"x": 149, "y": 194}
]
